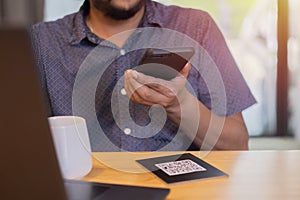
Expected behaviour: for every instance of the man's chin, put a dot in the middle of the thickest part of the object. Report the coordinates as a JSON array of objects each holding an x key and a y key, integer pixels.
[{"x": 118, "y": 12}]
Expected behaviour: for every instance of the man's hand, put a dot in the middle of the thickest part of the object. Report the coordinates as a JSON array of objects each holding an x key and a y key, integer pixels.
[{"x": 149, "y": 90}]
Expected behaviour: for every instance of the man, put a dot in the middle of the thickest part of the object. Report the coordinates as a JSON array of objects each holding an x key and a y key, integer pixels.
[{"x": 62, "y": 48}]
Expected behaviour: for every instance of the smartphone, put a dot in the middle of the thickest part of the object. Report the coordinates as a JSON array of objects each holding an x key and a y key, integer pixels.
[{"x": 165, "y": 63}]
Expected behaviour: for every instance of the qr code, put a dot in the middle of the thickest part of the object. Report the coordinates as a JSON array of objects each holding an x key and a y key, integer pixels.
[{"x": 180, "y": 167}]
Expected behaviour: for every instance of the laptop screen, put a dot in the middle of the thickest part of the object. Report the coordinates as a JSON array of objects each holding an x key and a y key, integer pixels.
[{"x": 29, "y": 166}]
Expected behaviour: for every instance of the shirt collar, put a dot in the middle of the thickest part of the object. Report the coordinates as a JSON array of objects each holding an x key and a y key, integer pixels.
[
  {"x": 151, "y": 17},
  {"x": 81, "y": 31}
]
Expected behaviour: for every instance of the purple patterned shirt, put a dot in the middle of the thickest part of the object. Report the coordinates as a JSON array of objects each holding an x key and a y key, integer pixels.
[{"x": 63, "y": 50}]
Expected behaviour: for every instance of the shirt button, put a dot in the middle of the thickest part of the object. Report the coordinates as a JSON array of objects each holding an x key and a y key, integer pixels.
[
  {"x": 123, "y": 91},
  {"x": 122, "y": 52},
  {"x": 127, "y": 131}
]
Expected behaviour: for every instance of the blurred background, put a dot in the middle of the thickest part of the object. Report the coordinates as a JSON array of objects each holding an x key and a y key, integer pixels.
[{"x": 264, "y": 38}]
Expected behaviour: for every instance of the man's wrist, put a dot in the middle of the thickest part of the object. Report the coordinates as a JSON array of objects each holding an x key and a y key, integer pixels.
[{"x": 179, "y": 102}]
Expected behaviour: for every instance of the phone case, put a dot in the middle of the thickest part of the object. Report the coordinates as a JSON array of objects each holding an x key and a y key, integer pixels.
[{"x": 165, "y": 63}]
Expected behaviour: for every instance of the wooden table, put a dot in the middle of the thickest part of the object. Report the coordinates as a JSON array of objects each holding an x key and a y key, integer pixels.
[{"x": 252, "y": 174}]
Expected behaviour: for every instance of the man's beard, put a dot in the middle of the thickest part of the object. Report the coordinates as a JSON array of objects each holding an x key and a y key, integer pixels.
[{"x": 116, "y": 13}]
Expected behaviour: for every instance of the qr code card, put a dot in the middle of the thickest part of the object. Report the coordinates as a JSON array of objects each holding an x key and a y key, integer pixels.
[{"x": 180, "y": 167}]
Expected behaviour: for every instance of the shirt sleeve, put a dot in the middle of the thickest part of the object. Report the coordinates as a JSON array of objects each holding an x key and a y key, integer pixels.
[{"x": 237, "y": 93}]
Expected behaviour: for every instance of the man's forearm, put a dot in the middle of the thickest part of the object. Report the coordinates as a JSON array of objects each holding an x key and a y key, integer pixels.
[{"x": 207, "y": 129}]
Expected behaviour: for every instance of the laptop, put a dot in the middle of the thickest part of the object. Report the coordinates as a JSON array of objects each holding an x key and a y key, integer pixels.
[{"x": 29, "y": 167}]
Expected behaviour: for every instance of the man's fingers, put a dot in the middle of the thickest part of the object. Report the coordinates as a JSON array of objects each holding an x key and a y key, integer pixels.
[
  {"x": 185, "y": 70},
  {"x": 148, "y": 94},
  {"x": 164, "y": 87}
]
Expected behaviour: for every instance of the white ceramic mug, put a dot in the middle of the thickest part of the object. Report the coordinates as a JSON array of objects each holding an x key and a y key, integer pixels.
[{"x": 72, "y": 145}]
